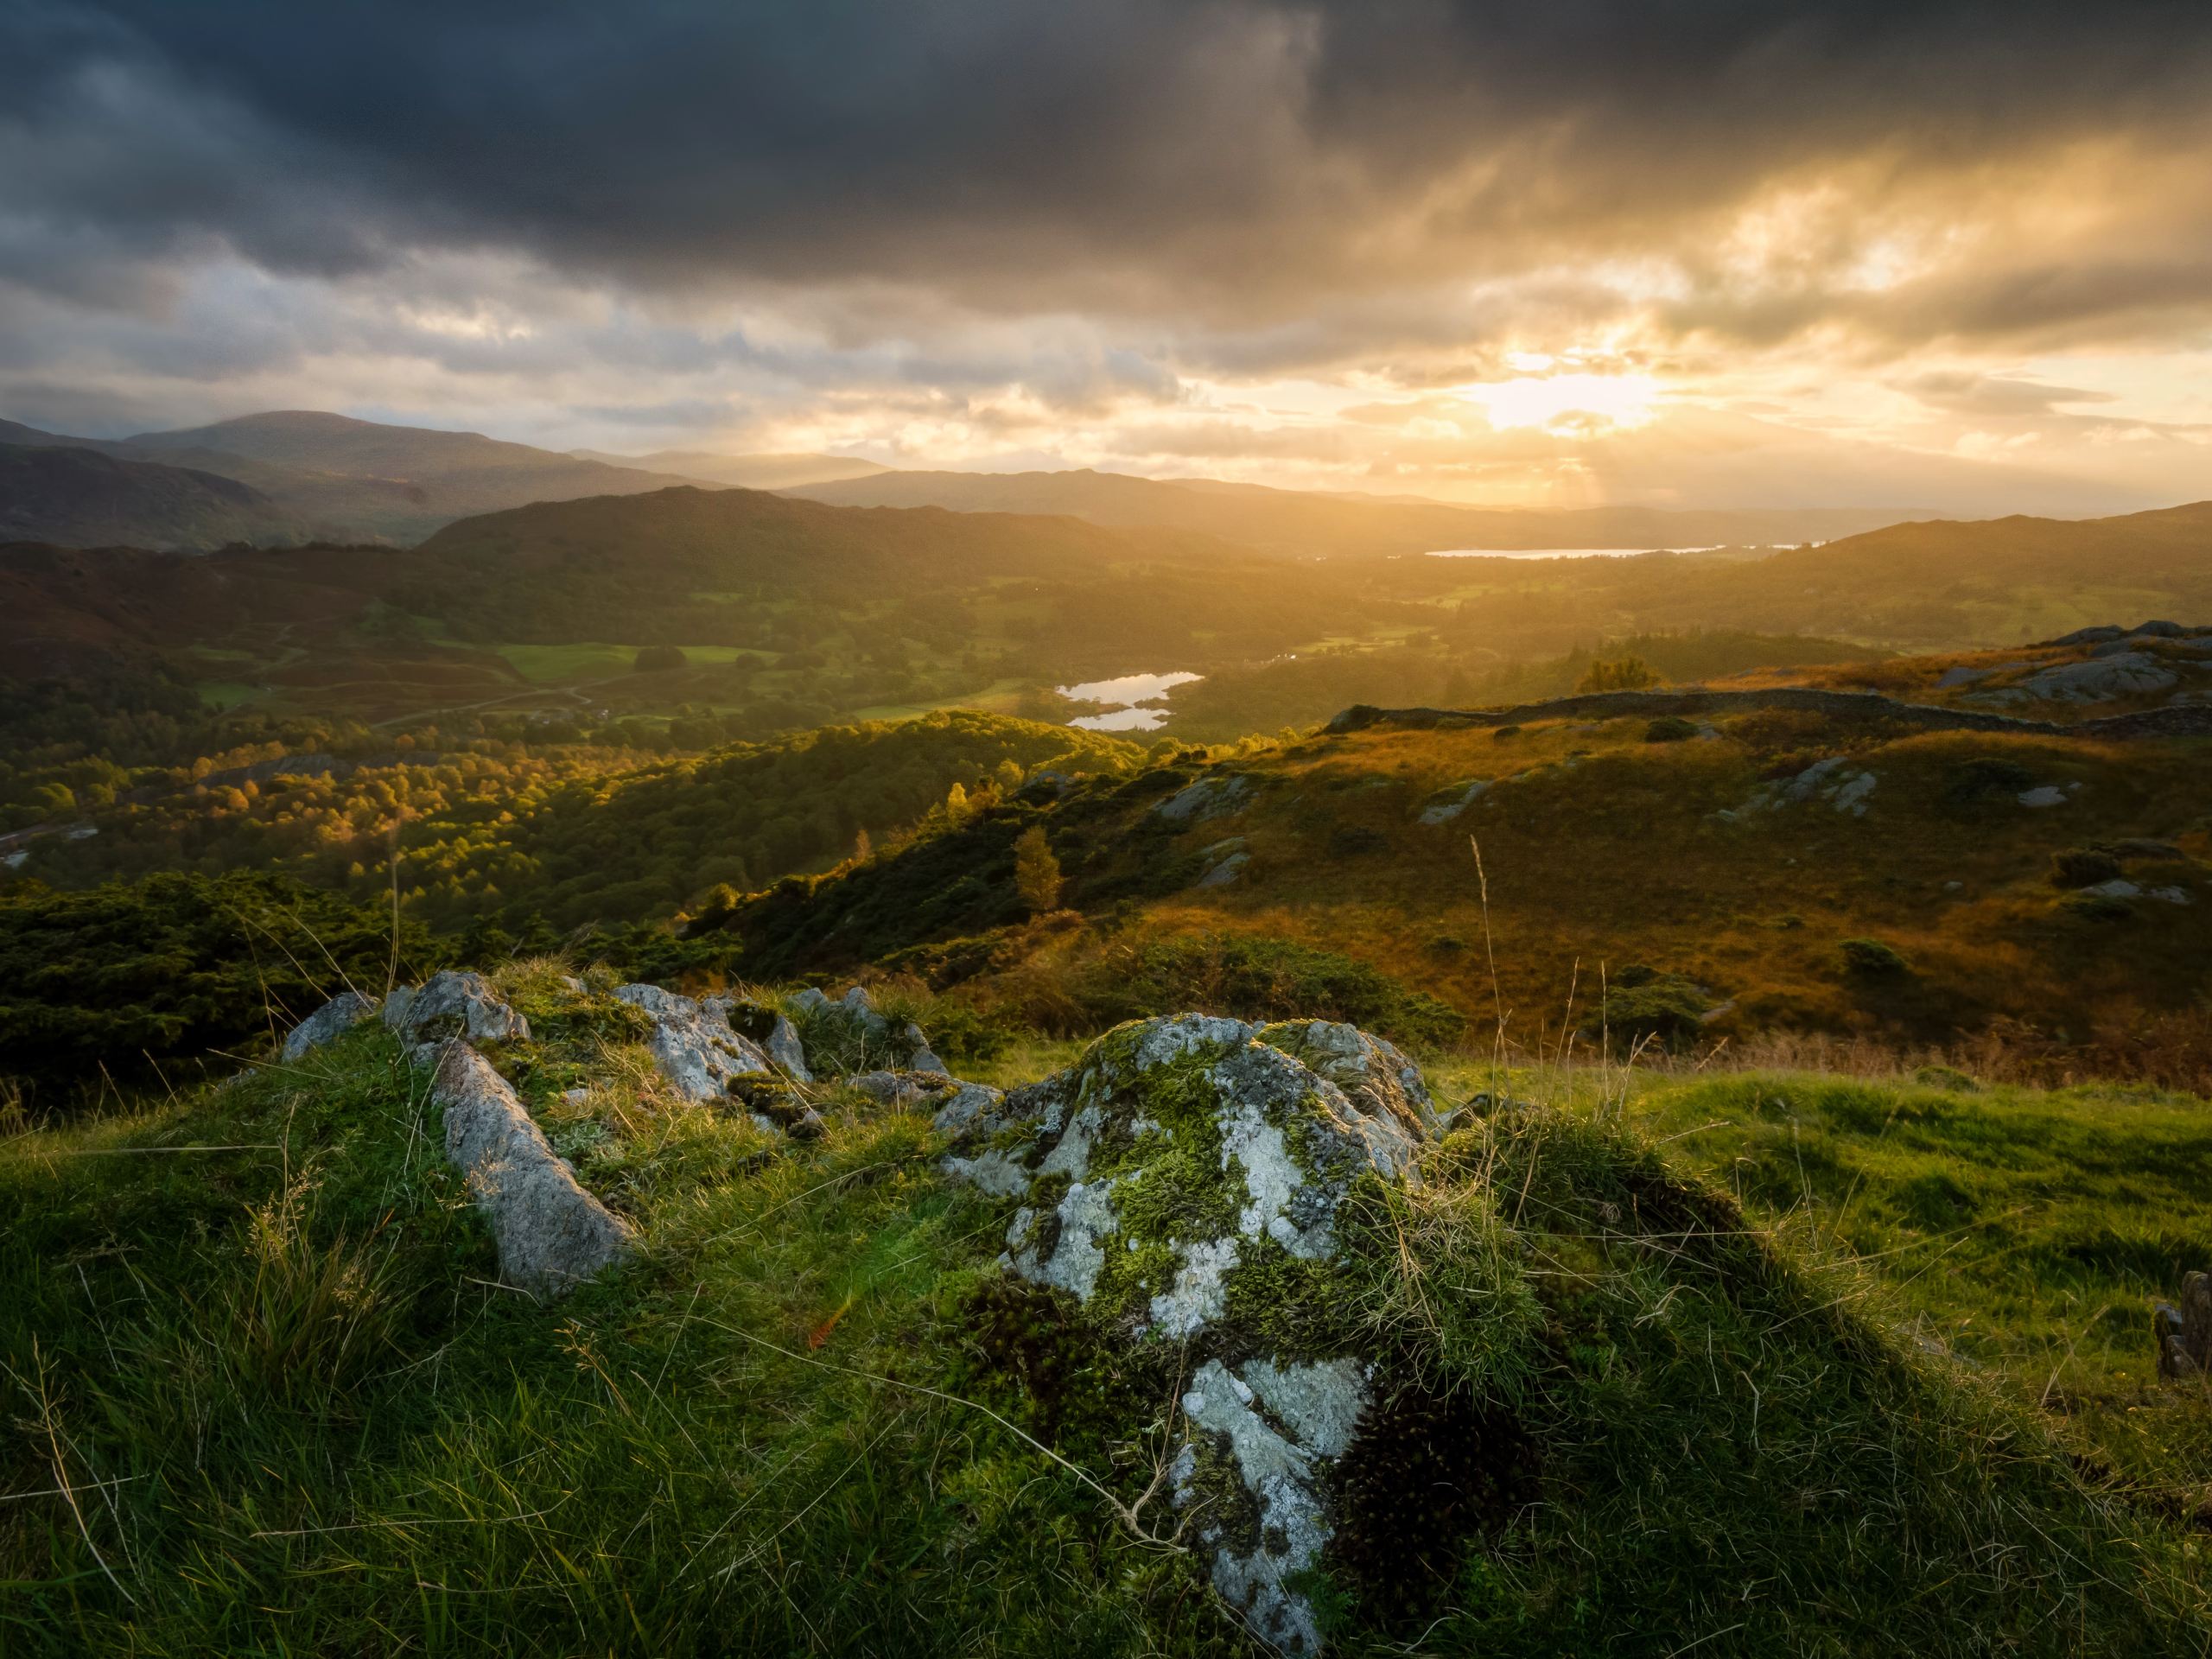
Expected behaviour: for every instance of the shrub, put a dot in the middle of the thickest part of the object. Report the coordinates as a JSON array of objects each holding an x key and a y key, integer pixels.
[
  {"x": 2096, "y": 906},
  {"x": 1641, "y": 1005},
  {"x": 1355, "y": 840},
  {"x": 2082, "y": 866},
  {"x": 1985, "y": 778},
  {"x": 1872, "y": 959},
  {"x": 1669, "y": 729},
  {"x": 658, "y": 659}
]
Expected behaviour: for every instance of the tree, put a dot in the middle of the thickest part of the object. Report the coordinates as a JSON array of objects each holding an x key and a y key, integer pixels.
[
  {"x": 1036, "y": 872},
  {"x": 657, "y": 659},
  {"x": 1617, "y": 674}
]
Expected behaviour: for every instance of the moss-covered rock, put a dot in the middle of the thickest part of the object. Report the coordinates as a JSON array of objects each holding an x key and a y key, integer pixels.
[{"x": 1184, "y": 1185}]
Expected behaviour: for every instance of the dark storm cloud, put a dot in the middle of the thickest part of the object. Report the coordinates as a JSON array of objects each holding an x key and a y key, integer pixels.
[{"x": 1214, "y": 161}]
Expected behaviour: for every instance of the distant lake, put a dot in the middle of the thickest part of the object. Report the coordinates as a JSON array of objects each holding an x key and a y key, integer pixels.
[
  {"x": 1557, "y": 552},
  {"x": 1129, "y": 701}
]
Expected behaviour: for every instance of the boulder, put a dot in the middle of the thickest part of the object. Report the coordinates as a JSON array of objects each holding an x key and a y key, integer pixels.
[
  {"x": 451, "y": 1004},
  {"x": 693, "y": 1044},
  {"x": 1177, "y": 1182},
  {"x": 1225, "y": 862},
  {"x": 329, "y": 1023},
  {"x": 552, "y": 1235},
  {"x": 1208, "y": 798}
]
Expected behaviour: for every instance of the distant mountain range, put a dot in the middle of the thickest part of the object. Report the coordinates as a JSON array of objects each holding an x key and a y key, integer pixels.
[
  {"x": 1313, "y": 523},
  {"x": 324, "y": 476},
  {"x": 327, "y": 477}
]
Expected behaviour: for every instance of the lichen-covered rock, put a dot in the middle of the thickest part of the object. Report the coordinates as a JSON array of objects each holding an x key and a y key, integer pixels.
[
  {"x": 1374, "y": 1071},
  {"x": 693, "y": 1044},
  {"x": 552, "y": 1235},
  {"x": 1317, "y": 1406},
  {"x": 454, "y": 1003},
  {"x": 329, "y": 1023},
  {"x": 1184, "y": 1183},
  {"x": 769, "y": 1028}
]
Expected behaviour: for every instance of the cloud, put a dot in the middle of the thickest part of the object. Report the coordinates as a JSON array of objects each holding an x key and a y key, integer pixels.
[{"x": 979, "y": 222}]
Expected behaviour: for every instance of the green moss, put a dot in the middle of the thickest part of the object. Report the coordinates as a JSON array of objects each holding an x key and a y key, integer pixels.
[{"x": 1276, "y": 1304}]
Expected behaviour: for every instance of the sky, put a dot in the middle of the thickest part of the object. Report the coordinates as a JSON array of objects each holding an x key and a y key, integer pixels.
[{"x": 1673, "y": 252}]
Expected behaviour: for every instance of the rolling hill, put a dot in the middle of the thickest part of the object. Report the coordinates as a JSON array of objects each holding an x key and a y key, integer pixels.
[
  {"x": 770, "y": 472},
  {"x": 84, "y": 497},
  {"x": 357, "y": 480},
  {"x": 1313, "y": 523}
]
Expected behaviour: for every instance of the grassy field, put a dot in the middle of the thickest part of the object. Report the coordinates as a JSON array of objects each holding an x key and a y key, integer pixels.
[
  {"x": 555, "y": 665},
  {"x": 271, "y": 1401}
]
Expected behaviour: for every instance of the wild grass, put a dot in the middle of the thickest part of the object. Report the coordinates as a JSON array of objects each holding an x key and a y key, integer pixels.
[{"x": 270, "y": 1398}]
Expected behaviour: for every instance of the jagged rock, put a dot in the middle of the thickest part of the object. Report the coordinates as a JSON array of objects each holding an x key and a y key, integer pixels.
[
  {"x": 1208, "y": 798},
  {"x": 2185, "y": 1333},
  {"x": 1369, "y": 1068},
  {"x": 693, "y": 1044},
  {"x": 876, "y": 1039},
  {"x": 329, "y": 1023},
  {"x": 770, "y": 1028},
  {"x": 1179, "y": 1171},
  {"x": 1448, "y": 804},
  {"x": 552, "y": 1235},
  {"x": 1225, "y": 862},
  {"x": 454, "y": 1003},
  {"x": 2043, "y": 795}
]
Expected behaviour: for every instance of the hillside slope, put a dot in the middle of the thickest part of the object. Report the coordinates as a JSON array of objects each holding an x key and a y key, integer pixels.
[
  {"x": 84, "y": 498},
  {"x": 395, "y": 483},
  {"x": 1792, "y": 863}
]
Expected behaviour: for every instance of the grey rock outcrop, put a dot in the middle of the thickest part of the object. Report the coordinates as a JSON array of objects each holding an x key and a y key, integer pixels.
[
  {"x": 2185, "y": 1333},
  {"x": 2123, "y": 674},
  {"x": 1834, "y": 781},
  {"x": 1448, "y": 804},
  {"x": 1180, "y": 1167},
  {"x": 454, "y": 1004},
  {"x": 329, "y": 1023},
  {"x": 552, "y": 1235},
  {"x": 1208, "y": 798},
  {"x": 694, "y": 1045}
]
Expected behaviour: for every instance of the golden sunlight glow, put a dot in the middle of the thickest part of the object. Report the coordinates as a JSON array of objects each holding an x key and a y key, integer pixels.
[{"x": 1621, "y": 400}]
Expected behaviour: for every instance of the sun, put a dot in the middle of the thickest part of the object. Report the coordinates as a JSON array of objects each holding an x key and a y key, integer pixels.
[{"x": 1621, "y": 400}]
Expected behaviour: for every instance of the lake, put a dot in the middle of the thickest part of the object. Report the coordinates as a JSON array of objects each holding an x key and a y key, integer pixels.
[
  {"x": 1556, "y": 552},
  {"x": 1130, "y": 701}
]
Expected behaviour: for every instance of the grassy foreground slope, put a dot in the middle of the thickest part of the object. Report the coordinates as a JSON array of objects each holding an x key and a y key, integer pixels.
[{"x": 272, "y": 1402}]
